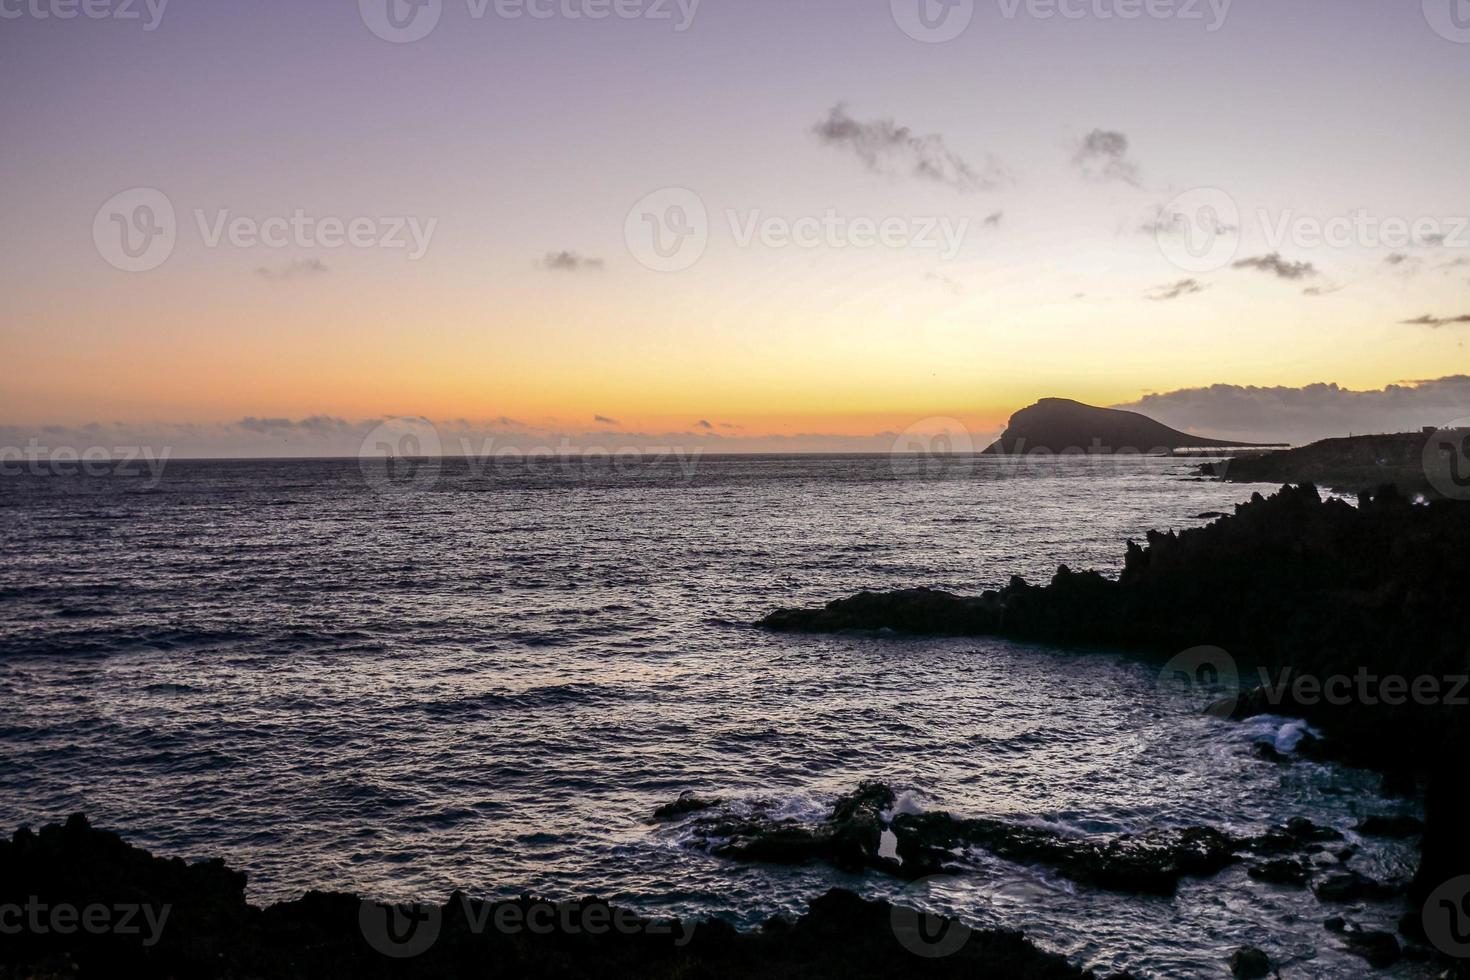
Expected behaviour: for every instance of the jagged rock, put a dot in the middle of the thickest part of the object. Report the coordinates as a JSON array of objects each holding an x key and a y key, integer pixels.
[
  {"x": 1380, "y": 949},
  {"x": 213, "y": 934},
  {"x": 1350, "y": 886},
  {"x": 1397, "y": 827},
  {"x": 1281, "y": 872},
  {"x": 1249, "y": 963},
  {"x": 686, "y": 803},
  {"x": 1316, "y": 587}
]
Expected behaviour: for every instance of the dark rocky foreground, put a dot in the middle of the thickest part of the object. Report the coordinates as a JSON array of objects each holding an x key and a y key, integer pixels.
[
  {"x": 1291, "y": 586},
  {"x": 197, "y": 923}
]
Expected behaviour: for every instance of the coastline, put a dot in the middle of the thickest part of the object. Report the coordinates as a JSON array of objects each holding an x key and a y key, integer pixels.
[{"x": 99, "y": 907}]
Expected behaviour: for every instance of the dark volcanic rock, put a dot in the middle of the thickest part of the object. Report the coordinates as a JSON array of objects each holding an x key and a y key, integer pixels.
[
  {"x": 686, "y": 803},
  {"x": 1312, "y": 590},
  {"x": 1150, "y": 862},
  {"x": 1249, "y": 963},
  {"x": 211, "y": 932},
  {"x": 850, "y": 838},
  {"x": 1281, "y": 872},
  {"x": 1397, "y": 827},
  {"x": 1349, "y": 886},
  {"x": 1380, "y": 949}
]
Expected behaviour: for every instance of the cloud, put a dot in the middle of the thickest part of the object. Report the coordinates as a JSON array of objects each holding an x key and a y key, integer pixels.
[
  {"x": 1183, "y": 287},
  {"x": 1103, "y": 155},
  {"x": 1276, "y": 265},
  {"x": 887, "y": 148},
  {"x": 604, "y": 420},
  {"x": 1396, "y": 258},
  {"x": 297, "y": 269},
  {"x": 993, "y": 219},
  {"x": 1161, "y": 221},
  {"x": 1305, "y": 414},
  {"x": 704, "y": 424},
  {"x": 1321, "y": 290},
  {"x": 569, "y": 262},
  {"x": 323, "y": 436},
  {"x": 1437, "y": 321}
]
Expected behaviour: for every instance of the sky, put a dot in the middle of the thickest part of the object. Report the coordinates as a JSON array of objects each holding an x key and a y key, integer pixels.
[{"x": 766, "y": 224}]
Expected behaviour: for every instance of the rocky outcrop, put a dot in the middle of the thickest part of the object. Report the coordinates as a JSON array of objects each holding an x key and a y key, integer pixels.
[
  {"x": 851, "y": 839},
  {"x": 1352, "y": 464},
  {"x": 1292, "y": 586},
  {"x": 1060, "y": 425},
  {"x": 209, "y": 931}
]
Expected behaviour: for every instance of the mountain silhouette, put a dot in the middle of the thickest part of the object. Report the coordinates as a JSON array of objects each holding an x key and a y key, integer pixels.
[{"x": 1062, "y": 425}]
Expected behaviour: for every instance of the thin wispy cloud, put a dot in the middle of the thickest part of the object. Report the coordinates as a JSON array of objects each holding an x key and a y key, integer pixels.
[
  {"x": 1437, "y": 321},
  {"x": 993, "y": 219},
  {"x": 566, "y": 261},
  {"x": 297, "y": 269},
  {"x": 604, "y": 420},
  {"x": 1274, "y": 264},
  {"x": 703, "y": 424},
  {"x": 1184, "y": 287},
  {"x": 884, "y": 147},
  {"x": 1103, "y": 155}
]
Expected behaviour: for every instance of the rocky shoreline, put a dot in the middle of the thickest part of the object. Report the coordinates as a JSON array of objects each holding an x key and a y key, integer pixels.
[
  {"x": 1312, "y": 596},
  {"x": 77, "y": 902}
]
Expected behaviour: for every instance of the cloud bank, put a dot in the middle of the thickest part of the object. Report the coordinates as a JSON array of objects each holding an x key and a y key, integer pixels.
[{"x": 1317, "y": 411}]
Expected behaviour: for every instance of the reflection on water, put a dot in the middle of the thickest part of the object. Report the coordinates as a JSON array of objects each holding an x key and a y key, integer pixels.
[{"x": 491, "y": 684}]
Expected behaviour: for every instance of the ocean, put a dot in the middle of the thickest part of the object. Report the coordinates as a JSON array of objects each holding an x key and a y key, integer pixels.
[{"x": 486, "y": 677}]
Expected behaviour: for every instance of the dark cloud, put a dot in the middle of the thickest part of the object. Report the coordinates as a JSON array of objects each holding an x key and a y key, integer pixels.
[
  {"x": 1437, "y": 321},
  {"x": 569, "y": 262},
  {"x": 993, "y": 219},
  {"x": 1305, "y": 414},
  {"x": 297, "y": 269},
  {"x": 1183, "y": 287},
  {"x": 604, "y": 420},
  {"x": 1103, "y": 155},
  {"x": 704, "y": 424},
  {"x": 887, "y": 148},
  {"x": 1279, "y": 267}
]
